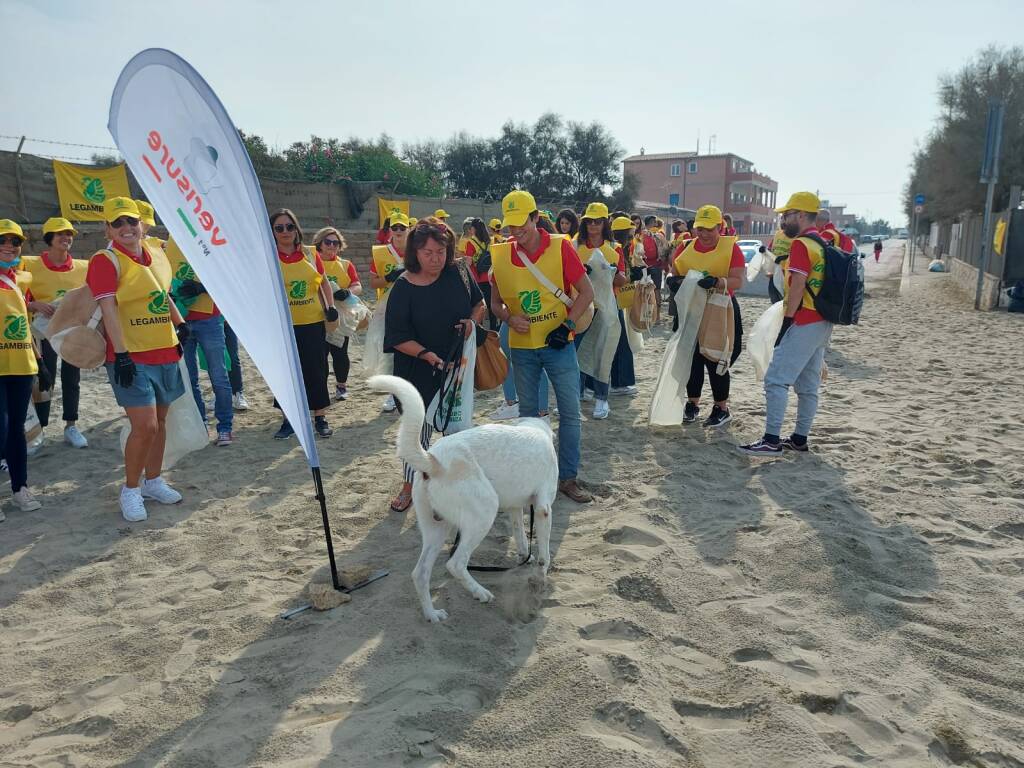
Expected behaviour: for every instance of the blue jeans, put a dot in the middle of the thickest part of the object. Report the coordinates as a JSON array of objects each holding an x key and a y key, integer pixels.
[
  {"x": 600, "y": 388},
  {"x": 235, "y": 374},
  {"x": 796, "y": 363},
  {"x": 509, "y": 385},
  {"x": 209, "y": 334},
  {"x": 562, "y": 369},
  {"x": 622, "y": 365}
]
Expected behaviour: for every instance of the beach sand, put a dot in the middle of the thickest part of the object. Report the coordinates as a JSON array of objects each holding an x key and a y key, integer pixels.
[{"x": 858, "y": 605}]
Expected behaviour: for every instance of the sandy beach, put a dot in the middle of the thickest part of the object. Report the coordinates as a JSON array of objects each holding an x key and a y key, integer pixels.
[{"x": 858, "y": 605}]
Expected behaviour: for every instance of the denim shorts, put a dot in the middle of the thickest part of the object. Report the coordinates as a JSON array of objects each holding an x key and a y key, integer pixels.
[{"x": 153, "y": 385}]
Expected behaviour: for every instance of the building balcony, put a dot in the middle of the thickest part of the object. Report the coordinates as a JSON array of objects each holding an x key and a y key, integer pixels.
[{"x": 753, "y": 177}]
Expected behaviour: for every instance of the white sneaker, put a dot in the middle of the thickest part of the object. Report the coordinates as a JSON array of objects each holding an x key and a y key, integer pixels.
[
  {"x": 26, "y": 501},
  {"x": 389, "y": 404},
  {"x": 630, "y": 390},
  {"x": 601, "y": 409},
  {"x": 587, "y": 396},
  {"x": 133, "y": 508},
  {"x": 158, "y": 490},
  {"x": 33, "y": 448},
  {"x": 505, "y": 411},
  {"x": 74, "y": 438},
  {"x": 238, "y": 402}
]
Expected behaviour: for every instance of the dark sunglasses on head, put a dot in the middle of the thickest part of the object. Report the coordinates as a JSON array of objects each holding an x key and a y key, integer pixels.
[
  {"x": 124, "y": 221},
  {"x": 398, "y": 228},
  {"x": 284, "y": 227},
  {"x": 11, "y": 240},
  {"x": 331, "y": 243}
]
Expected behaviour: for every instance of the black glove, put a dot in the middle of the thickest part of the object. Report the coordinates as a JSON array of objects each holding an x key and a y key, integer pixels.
[
  {"x": 394, "y": 274},
  {"x": 44, "y": 376},
  {"x": 762, "y": 249},
  {"x": 331, "y": 313},
  {"x": 558, "y": 338},
  {"x": 189, "y": 289},
  {"x": 636, "y": 273},
  {"x": 589, "y": 268},
  {"x": 673, "y": 282},
  {"x": 341, "y": 294},
  {"x": 183, "y": 331},
  {"x": 786, "y": 322},
  {"x": 124, "y": 369},
  {"x": 707, "y": 282}
]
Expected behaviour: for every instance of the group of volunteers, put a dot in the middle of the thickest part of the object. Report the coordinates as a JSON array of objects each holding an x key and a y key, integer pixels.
[{"x": 540, "y": 279}]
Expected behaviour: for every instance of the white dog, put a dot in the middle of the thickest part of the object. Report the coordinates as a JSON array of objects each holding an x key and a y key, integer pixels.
[{"x": 464, "y": 480}]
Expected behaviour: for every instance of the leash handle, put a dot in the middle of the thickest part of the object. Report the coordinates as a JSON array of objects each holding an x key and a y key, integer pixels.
[{"x": 451, "y": 381}]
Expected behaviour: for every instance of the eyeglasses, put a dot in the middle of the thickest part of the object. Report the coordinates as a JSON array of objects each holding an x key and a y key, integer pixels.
[
  {"x": 11, "y": 240},
  {"x": 399, "y": 228},
  {"x": 284, "y": 228},
  {"x": 124, "y": 221},
  {"x": 331, "y": 243}
]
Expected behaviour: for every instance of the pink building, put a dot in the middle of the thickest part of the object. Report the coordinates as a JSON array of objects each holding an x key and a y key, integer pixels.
[{"x": 688, "y": 180}]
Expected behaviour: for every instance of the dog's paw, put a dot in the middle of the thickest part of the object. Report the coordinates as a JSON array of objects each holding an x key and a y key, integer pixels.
[
  {"x": 483, "y": 595},
  {"x": 436, "y": 615}
]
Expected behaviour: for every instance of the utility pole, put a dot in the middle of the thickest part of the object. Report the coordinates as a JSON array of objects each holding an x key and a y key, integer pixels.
[{"x": 989, "y": 175}]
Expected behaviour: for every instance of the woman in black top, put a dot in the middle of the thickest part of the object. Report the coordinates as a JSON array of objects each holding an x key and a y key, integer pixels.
[{"x": 429, "y": 306}]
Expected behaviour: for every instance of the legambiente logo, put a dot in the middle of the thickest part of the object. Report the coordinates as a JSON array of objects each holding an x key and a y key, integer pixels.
[
  {"x": 15, "y": 328},
  {"x": 92, "y": 190},
  {"x": 192, "y": 211}
]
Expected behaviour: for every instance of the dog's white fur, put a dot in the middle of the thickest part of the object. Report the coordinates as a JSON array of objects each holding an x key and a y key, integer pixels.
[{"x": 464, "y": 479}]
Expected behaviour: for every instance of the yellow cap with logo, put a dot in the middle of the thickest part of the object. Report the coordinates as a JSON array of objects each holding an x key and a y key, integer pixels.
[
  {"x": 8, "y": 227},
  {"x": 116, "y": 207},
  {"x": 807, "y": 202},
  {"x": 58, "y": 224},
  {"x": 442, "y": 214},
  {"x": 707, "y": 217},
  {"x": 146, "y": 212},
  {"x": 516, "y": 208},
  {"x": 596, "y": 211},
  {"x": 413, "y": 221},
  {"x": 621, "y": 223},
  {"x": 494, "y": 223},
  {"x": 397, "y": 217}
]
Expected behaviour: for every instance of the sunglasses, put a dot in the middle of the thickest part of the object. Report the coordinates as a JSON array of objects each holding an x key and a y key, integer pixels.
[
  {"x": 284, "y": 227},
  {"x": 399, "y": 228},
  {"x": 124, "y": 221},
  {"x": 331, "y": 243},
  {"x": 11, "y": 240}
]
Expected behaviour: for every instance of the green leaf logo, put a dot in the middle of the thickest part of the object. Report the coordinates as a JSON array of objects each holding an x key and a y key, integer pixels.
[
  {"x": 298, "y": 289},
  {"x": 530, "y": 301},
  {"x": 389, "y": 268},
  {"x": 92, "y": 190},
  {"x": 60, "y": 293},
  {"x": 185, "y": 272},
  {"x": 158, "y": 304},
  {"x": 15, "y": 328}
]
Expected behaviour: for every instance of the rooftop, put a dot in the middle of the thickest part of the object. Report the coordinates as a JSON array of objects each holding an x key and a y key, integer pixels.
[{"x": 672, "y": 155}]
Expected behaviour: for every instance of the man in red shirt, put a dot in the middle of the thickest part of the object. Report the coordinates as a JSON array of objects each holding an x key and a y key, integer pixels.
[
  {"x": 830, "y": 234},
  {"x": 803, "y": 339}
]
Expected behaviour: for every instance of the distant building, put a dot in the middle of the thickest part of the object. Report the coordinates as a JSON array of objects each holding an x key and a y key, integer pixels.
[
  {"x": 686, "y": 180},
  {"x": 840, "y": 218}
]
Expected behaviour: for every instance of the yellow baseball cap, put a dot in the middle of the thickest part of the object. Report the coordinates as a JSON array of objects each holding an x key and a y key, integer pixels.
[
  {"x": 8, "y": 227},
  {"x": 620, "y": 223},
  {"x": 495, "y": 224},
  {"x": 516, "y": 208},
  {"x": 596, "y": 211},
  {"x": 397, "y": 217},
  {"x": 807, "y": 202},
  {"x": 116, "y": 207},
  {"x": 707, "y": 217},
  {"x": 413, "y": 221},
  {"x": 57, "y": 224},
  {"x": 442, "y": 214},
  {"x": 146, "y": 212}
]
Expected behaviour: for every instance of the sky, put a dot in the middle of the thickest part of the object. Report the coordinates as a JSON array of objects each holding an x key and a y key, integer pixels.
[{"x": 816, "y": 97}]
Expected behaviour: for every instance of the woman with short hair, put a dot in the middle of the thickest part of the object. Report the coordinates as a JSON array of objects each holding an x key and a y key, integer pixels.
[{"x": 341, "y": 274}]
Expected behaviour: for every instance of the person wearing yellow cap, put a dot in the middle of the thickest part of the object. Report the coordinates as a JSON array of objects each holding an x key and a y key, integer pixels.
[
  {"x": 387, "y": 265},
  {"x": 442, "y": 214},
  {"x": 18, "y": 367},
  {"x": 719, "y": 259},
  {"x": 802, "y": 341},
  {"x": 341, "y": 274},
  {"x": 531, "y": 279},
  {"x": 54, "y": 273},
  {"x": 494, "y": 227},
  {"x": 131, "y": 283}
]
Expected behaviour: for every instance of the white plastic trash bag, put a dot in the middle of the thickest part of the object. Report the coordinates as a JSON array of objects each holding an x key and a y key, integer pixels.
[
  {"x": 761, "y": 344},
  {"x": 351, "y": 313},
  {"x": 458, "y": 402},
  {"x": 634, "y": 337},
  {"x": 185, "y": 429},
  {"x": 374, "y": 359},
  {"x": 755, "y": 266},
  {"x": 597, "y": 347},
  {"x": 669, "y": 397}
]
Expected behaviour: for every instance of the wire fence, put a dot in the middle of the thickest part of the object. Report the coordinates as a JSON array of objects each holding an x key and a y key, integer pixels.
[{"x": 54, "y": 155}]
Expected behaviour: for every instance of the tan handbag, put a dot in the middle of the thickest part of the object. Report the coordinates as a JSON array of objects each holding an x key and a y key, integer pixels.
[
  {"x": 491, "y": 364},
  {"x": 644, "y": 313},
  {"x": 718, "y": 330}
]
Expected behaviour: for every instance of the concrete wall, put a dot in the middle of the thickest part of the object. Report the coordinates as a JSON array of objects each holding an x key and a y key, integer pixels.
[{"x": 965, "y": 277}]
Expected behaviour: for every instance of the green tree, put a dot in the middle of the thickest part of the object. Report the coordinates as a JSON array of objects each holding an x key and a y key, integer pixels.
[{"x": 592, "y": 159}]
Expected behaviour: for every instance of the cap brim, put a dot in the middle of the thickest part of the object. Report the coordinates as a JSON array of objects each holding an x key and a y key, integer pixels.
[{"x": 515, "y": 219}]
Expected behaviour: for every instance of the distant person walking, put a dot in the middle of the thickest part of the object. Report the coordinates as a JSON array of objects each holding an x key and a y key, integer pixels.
[{"x": 878, "y": 250}]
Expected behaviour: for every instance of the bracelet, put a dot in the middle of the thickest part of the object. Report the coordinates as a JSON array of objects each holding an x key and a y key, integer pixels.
[{"x": 421, "y": 353}]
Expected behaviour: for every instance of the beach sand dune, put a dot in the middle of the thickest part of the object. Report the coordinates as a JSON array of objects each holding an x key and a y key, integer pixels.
[{"x": 859, "y": 605}]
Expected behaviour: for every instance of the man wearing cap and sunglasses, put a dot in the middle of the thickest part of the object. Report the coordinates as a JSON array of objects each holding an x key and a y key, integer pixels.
[
  {"x": 54, "y": 273},
  {"x": 801, "y": 344},
  {"x": 531, "y": 298}
]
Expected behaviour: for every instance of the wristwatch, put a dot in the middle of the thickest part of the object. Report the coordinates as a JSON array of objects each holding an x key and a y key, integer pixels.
[
  {"x": 570, "y": 324},
  {"x": 421, "y": 353}
]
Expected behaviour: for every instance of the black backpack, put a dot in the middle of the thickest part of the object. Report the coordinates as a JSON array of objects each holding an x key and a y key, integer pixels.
[{"x": 841, "y": 295}]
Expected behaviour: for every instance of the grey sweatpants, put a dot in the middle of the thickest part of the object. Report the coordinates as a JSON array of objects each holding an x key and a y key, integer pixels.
[{"x": 797, "y": 364}]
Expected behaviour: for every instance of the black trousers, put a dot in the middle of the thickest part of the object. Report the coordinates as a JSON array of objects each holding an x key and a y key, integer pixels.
[
  {"x": 339, "y": 356},
  {"x": 311, "y": 341},
  {"x": 70, "y": 381},
  {"x": 719, "y": 383},
  {"x": 15, "y": 395},
  {"x": 485, "y": 289}
]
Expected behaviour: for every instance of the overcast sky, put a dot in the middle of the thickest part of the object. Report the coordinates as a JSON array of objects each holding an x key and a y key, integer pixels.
[{"x": 816, "y": 98}]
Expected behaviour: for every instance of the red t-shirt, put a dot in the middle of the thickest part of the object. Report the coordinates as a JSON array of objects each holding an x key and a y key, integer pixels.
[
  {"x": 67, "y": 266},
  {"x": 102, "y": 280},
  {"x": 572, "y": 267},
  {"x": 651, "y": 258},
  {"x": 833, "y": 235},
  {"x": 299, "y": 255},
  {"x": 383, "y": 236},
  {"x": 470, "y": 253},
  {"x": 800, "y": 262}
]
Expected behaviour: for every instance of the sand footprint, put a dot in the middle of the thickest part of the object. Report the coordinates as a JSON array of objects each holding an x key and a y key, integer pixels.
[
  {"x": 714, "y": 717},
  {"x": 797, "y": 668},
  {"x": 619, "y": 725}
]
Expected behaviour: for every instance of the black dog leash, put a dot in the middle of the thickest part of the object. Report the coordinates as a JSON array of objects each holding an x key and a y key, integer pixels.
[
  {"x": 451, "y": 381},
  {"x": 499, "y": 568}
]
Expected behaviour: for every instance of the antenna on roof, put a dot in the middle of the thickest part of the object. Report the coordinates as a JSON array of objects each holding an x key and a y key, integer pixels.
[
  {"x": 641, "y": 150},
  {"x": 698, "y": 141}
]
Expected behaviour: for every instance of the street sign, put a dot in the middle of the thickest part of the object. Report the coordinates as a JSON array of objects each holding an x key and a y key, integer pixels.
[
  {"x": 919, "y": 200},
  {"x": 918, "y": 209}
]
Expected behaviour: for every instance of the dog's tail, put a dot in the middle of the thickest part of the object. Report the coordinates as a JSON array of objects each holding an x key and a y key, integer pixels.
[{"x": 409, "y": 448}]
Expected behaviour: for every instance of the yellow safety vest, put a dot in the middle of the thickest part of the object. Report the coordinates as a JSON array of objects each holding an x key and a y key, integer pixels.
[
  {"x": 624, "y": 294},
  {"x": 781, "y": 244},
  {"x": 713, "y": 263},
  {"x": 336, "y": 271},
  {"x": 524, "y": 295},
  {"x": 143, "y": 306},
  {"x": 302, "y": 284},
  {"x": 17, "y": 358},
  {"x": 182, "y": 270},
  {"x": 385, "y": 260},
  {"x": 49, "y": 285},
  {"x": 816, "y": 277}
]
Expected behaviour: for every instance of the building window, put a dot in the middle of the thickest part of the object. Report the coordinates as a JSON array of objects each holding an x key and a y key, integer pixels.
[
  {"x": 673, "y": 170},
  {"x": 691, "y": 168},
  {"x": 673, "y": 198}
]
